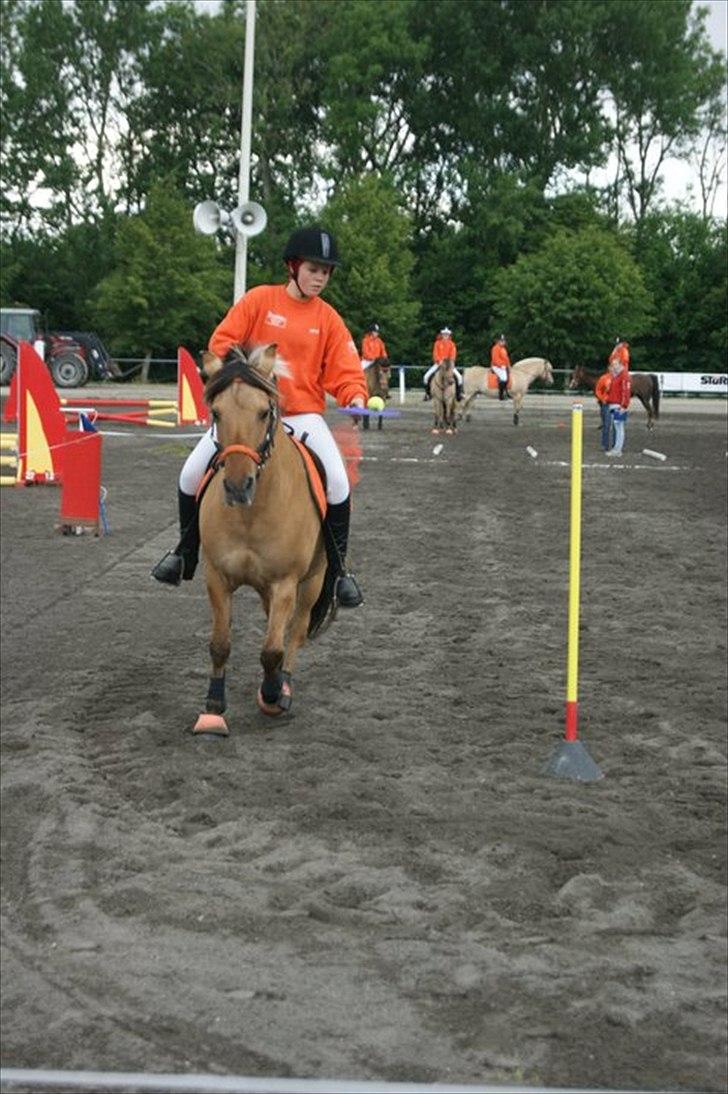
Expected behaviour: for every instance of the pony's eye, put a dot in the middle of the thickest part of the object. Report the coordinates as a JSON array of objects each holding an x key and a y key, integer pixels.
[
  {"x": 216, "y": 415},
  {"x": 262, "y": 415}
]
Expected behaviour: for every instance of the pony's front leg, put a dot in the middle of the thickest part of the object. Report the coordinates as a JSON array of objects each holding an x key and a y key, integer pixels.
[
  {"x": 274, "y": 695},
  {"x": 517, "y": 404},
  {"x": 220, "y": 596}
]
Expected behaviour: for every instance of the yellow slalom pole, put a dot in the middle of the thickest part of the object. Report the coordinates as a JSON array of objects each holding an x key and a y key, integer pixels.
[
  {"x": 571, "y": 759},
  {"x": 572, "y": 657}
]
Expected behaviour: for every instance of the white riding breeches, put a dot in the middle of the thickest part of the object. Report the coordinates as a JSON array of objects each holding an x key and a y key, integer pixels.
[
  {"x": 501, "y": 372},
  {"x": 433, "y": 369},
  {"x": 318, "y": 437}
]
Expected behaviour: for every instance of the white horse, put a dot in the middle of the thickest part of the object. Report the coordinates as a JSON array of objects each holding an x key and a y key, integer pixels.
[{"x": 480, "y": 380}]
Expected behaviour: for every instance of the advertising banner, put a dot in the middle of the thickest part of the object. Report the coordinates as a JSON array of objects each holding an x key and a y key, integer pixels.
[{"x": 704, "y": 383}]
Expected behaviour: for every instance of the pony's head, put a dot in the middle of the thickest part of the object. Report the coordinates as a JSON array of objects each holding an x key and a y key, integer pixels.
[
  {"x": 577, "y": 377},
  {"x": 548, "y": 372},
  {"x": 242, "y": 395},
  {"x": 381, "y": 371}
]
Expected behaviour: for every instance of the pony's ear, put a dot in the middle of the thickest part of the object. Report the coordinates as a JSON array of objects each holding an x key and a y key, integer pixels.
[
  {"x": 266, "y": 361},
  {"x": 210, "y": 364}
]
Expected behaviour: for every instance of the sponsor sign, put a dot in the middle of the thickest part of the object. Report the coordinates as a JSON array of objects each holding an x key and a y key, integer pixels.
[{"x": 705, "y": 383}]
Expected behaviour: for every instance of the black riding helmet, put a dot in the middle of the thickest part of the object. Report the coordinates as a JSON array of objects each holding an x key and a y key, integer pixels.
[{"x": 314, "y": 244}]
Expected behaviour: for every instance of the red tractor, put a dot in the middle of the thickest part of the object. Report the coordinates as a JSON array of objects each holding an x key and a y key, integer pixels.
[{"x": 72, "y": 357}]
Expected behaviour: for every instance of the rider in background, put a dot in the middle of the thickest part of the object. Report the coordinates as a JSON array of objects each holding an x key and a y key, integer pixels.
[
  {"x": 500, "y": 364},
  {"x": 372, "y": 346},
  {"x": 620, "y": 393},
  {"x": 320, "y": 357},
  {"x": 620, "y": 353},
  {"x": 443, "y": 349}
]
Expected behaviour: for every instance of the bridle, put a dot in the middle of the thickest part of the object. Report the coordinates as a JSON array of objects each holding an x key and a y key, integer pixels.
[{"x": 262, "y": 453}]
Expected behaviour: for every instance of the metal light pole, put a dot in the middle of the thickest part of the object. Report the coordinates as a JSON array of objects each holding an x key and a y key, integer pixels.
[{"x": 241, "y": 240}]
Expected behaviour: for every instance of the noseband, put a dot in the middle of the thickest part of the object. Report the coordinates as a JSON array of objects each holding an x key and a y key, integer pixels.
[{"x": 261, "y": 454}]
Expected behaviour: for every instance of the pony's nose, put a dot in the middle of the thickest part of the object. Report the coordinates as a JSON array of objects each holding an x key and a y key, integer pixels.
[{"x": 237, "y": 493}]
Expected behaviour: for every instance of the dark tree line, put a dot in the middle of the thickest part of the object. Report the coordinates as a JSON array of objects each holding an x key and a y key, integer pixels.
[{"x": 451, "y": 144}]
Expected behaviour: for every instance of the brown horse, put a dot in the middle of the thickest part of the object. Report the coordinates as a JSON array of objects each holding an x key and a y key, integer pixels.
[
  {"x": 259, "y": 526},
  {"x": 444, "y": 391},
  {"x": 377, "y": 378},
  {"x": 645, "y": 387}
]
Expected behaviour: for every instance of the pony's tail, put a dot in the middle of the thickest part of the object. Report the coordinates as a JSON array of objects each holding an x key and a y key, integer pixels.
[{"x": 655, "y": 396}]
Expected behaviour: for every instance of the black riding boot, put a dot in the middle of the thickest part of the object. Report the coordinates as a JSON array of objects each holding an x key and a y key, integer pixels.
[
  {"x": 428, "y": 393},
  {"x": 458, "y": 391},
  {"x": 180, "y": 564},
  {"x": 502, "y": 389},
  {"x": 347, "y": 592}
]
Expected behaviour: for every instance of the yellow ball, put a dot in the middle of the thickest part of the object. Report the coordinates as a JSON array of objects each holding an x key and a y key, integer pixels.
[{"x": 376, "y": 403}]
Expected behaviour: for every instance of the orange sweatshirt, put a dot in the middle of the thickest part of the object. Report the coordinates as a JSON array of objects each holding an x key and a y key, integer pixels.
[
  {"x": 372, "y": 347},
  {"x": 602, "y": 386},
  {"x": 444, "y": 349},
  {"x": 620, "y": 353},
  {"x": 499, "y": 356},
  {"x": 311, "y": 338}
]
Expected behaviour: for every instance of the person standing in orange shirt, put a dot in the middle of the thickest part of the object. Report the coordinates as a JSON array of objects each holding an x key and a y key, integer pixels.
[
  {"x": 372, "y": 347},
  {"x": 620, "y": 353},
  {"x": 320, "y": 358},
  {"x": 500, "y": 364},
  {"x": 443, "y": 349},
  {"x": 601, "y": 394}
]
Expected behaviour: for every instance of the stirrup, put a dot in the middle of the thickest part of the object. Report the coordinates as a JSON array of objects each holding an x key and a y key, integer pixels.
[
  {"x": 169, "y": 570},
  {"x": 347, "y": 593}
]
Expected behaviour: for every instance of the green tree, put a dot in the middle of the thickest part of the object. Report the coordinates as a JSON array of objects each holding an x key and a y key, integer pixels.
[
  {"x": 570, "y": 299},
  {"x": 683, "y": 260},
  {"x": 374, "y": 282},
  {"x": 168, "y": 286},
  {"x": 662, "y": 78}
]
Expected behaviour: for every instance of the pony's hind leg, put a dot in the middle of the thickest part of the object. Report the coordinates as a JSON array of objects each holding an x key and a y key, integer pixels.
[
  {"x": 220, "y": 596},
  {"x": 274, "y": 694}
]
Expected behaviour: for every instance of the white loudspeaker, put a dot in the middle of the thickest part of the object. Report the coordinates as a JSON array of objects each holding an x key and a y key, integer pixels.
[
  {"x": 208, "y": 218},
  {"x": 249, "y": 219}
]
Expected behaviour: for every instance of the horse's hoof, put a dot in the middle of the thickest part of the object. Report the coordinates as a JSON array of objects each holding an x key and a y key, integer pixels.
[
  {"x": 450, "y": 432},
  {"x": 211, "y": 725},
  {"x": 282, "y": 704},
  {"x": 436, "y": 431}
]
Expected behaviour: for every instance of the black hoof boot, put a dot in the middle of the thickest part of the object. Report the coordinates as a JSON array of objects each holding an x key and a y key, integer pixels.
[
  {"x": 347, "y": 592},
  {"x": 169, "y": 570}
]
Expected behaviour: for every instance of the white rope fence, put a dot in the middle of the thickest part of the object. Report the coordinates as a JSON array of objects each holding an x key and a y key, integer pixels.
[{"x": 135, "y": 1082}]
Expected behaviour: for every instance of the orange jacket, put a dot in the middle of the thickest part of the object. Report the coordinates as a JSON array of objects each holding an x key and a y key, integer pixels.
[
  {"x": 499, "y": 356},
  {"x": 444, "y": 348},
  {"x": 311, "y": 338},
  {"x": 620, "y": 353},
  {"x": 372, "y": 347},
  {"x": 602, "y": 386}
]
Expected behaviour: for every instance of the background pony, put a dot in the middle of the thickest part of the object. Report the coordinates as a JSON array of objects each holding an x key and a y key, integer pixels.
[
  {"x": 480, "y": 380},
  {"x": 444, "y": 392},
  {"x": 645, "y": 387}
]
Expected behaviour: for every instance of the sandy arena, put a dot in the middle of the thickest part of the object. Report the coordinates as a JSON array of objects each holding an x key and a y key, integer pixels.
[{"x": 384, "y": 885}]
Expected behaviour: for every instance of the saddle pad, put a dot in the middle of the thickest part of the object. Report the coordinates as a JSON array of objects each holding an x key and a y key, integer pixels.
[
  {"x": 313, "y": 475},
  {"x": 492, "y": 382}
]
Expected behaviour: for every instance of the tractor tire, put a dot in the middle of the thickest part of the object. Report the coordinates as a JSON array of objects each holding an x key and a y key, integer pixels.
[
  {"x": 8, "y": 361},
  {"x": 69, "y": 370}
]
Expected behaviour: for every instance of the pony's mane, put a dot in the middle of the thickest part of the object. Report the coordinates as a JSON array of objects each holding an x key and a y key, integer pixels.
[{"x": 237, "y": 367}]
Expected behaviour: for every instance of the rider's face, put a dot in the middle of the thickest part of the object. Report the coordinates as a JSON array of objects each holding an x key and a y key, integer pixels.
[{"x": 313, "y": 277}]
